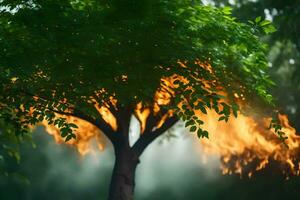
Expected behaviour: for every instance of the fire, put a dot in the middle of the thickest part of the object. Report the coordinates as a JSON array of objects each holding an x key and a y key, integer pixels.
[
  {"x": 86, "y": 134},
  {"x": 243, "y": 144},
  {"x": 107, "y": 116},
  {"x": 142, "y": 115},
  {"x": 246, "y": 145}
]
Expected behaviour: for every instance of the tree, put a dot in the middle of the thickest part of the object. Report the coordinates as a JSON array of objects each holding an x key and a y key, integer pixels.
[
  {"x": 284, "y": 48},
  {"x": 9, "y": 149},
  {"x": 105, "y": 61},
  {"x": 287, "y": 43}
]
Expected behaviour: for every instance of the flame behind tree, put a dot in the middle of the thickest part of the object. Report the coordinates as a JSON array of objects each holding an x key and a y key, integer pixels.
[
  {"x": 244, "y": 144},
  {"x": 103, "y": 62}
]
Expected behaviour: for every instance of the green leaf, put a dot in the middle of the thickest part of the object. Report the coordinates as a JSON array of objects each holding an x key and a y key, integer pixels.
[
  {"x": 60, "y": 123},
  {"x": 264, "y": 23},
  {"x": 222, "y": 118},
  {"x": 200, "y": 122},
  {"x": 41, "y": 118},
  {"x": 250, "y": 22},
  {"x": 226, "y": 109},
  {"x": 235, "y": 108},
  {"x": 269, "y": 29},
  {"x": 189, "y": 112},
  {"x": 193, "y": 129},
  {"x": 258, "y": 19},
  {"x": 208, "y": 103},
  {"x": 176, "y": 82},
  {"x": 202, "y": 108},
  {"x": 189, "y": 123},
  {"x": 73, "y": 125},
  {"x": 227, "y": 10},
  {"x": 216, "y": 108},
  {"x": 65, "y": 131},
  {"x": 199, "y": 133},
  {"x": 205, "y": 134},
  {"x": 69, "y": 137}
]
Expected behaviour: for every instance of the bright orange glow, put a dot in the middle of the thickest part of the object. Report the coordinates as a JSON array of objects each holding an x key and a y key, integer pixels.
[
  {"x": 86, "y": 134},
  {"x": 240, "y": 143},
  {"x": 86, "y": 131},
  {"x": 107, "y": 116},
  {"x": 243, "y": 141},
  {"x": 164, "y": 118},
  {"x": 142, "y": 114}
]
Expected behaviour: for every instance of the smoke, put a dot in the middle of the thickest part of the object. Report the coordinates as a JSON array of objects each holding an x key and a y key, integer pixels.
[
  {"x": 174, "y": 156},
  {"x": 170, "y": 163},
  {"x": 172, "y": 168},
  {"x": 62, "y": 173}
]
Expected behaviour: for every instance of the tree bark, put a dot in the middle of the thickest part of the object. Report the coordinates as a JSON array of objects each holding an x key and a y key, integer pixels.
[
  {"x": 127, "y": 158},
  {"x": 123, "y": 176}
]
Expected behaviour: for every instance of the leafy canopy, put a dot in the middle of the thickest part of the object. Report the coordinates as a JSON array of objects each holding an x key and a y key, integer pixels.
[{"x": 58, "y": 55}]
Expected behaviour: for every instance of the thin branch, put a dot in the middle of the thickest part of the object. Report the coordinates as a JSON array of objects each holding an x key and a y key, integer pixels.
[
  {"x": 112, "y": 108},
  {"x": 99, "y": 122},
  {"x": 152, "y": 120}
]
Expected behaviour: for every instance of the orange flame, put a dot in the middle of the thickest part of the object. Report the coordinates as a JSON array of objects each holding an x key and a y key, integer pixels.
[
  {"x": 240, "y": 143},
  {"x": 87, "y": 132},
  {"x": 85, "y": 135},
  {"x": 244, "y": 144},
  {"x": 142, "y": 115}
]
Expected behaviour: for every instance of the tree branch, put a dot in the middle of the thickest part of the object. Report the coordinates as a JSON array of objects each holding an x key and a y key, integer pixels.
[
  {"x": 152, "y": 120},
  {"x": 99, "y": 122},
  {"x": 150, "y": 136}
]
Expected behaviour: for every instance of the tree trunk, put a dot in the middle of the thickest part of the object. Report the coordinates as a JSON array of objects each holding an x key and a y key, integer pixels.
[
  {"x": 127, "y": 158},
  {"x": 123, "y": 176}
]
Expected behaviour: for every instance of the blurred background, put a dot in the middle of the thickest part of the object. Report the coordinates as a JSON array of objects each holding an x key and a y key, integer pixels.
[{"x": 173, "y": 167}]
